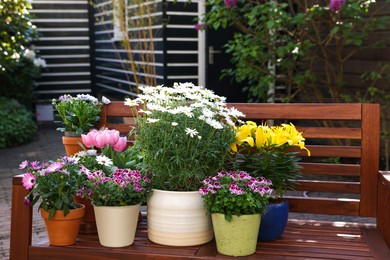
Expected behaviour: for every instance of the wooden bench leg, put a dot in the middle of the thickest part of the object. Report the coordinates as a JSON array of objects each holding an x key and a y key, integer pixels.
[
  {"x": 21, "y": 221},
  {"x": 383, "y": 215}
]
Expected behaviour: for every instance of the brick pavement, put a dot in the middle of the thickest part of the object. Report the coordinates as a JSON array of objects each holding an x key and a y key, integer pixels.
[{"x": 47, "y": 145}]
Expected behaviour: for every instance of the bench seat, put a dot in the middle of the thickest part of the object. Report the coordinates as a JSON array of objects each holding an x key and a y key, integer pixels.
[
  {"x": 344, "y": 148},
  {"x": 301, "y": 239}
]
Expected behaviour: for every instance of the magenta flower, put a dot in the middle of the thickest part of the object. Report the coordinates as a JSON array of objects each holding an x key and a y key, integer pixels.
[
  {"x": 23, "y": 165},
  {"x": 230, "y": 3},
  {"x": 199, "y": 26},
  {"x": 29, "y": 180},
  {"x": 336, "y": 5}
]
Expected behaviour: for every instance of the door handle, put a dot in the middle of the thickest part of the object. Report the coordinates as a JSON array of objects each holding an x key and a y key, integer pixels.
[{"x": 211, "y": 54}]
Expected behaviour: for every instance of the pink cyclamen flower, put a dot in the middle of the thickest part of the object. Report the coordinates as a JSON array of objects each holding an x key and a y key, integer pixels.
[
  {"x": 336, "y": 5},
  {"x": 230, "y": 3},
  {"x": 29, "y": 180}
]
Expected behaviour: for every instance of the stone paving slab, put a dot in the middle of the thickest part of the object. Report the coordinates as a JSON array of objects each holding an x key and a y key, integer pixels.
[{"x": 47, "y": 145}]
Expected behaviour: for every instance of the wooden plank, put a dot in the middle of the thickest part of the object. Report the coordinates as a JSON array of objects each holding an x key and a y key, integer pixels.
[
  {"x": 301, "y": 240},
  {"x": 331, "y": 132},
  {"x": 337, "y": 206},
  {"x": 375, "y": 242},
  {"x": 21, "y": 221},
  {"x": 300, "y": 111},
  {"x": 328, "y": 186},
  {"x": 330, "y": 169},
  {"x": 383, "y": 216},
  {"x": 370, "y": 159},
  {"x": 330, "y": 151}
]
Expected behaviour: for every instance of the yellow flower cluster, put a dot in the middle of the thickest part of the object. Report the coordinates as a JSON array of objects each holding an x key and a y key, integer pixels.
[{"x": 268, "y": 137}]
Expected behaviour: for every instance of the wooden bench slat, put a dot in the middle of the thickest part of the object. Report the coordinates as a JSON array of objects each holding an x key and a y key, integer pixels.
[
  {"x": 328, "y": 186},
  {"x": 330, "y": 169},
  {"x": 330, "y": 151},
  {"x": 330, "y": 206},
  {"x": 331, "y": 132},
  {"x": 301, "y": 111}
]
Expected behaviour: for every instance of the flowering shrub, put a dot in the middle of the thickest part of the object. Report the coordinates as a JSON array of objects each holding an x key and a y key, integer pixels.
[
  {"x": 19, "y": 63},
  {"x": 55, "y": 183},
  {"x": 123, "y": 187},
  {"x": 184, "y": 133},
  {"x": 78, "y": 114},
  {"x": 261, "y": 151},
  {"x": 235, "y": 193}
]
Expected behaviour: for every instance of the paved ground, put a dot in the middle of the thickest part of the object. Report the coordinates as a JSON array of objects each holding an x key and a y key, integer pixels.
[{"x": 48, "y": 146}]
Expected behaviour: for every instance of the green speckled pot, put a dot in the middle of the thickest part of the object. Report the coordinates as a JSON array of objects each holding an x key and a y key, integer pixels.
[{"x": 238, "y": 237}]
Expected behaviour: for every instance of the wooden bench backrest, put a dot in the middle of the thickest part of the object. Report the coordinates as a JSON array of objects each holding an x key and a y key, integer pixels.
[{"x": 341, "y": 175}]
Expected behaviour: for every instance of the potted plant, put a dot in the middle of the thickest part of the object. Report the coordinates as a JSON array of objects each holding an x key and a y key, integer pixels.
[
  {"x": 78, "y": 114},
  {"x": 117, "y": 200},
  {"x": 261, "y": 150},
  {"x": 236, "y": 200},
  {"x": 184, "y": 133},
  {"x": 55, "y": 184},
  {"x": 112, "y": 154}
]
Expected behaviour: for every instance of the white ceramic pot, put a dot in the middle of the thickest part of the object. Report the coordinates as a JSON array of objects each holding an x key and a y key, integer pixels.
[
  {"x": 178, "y": 219},
  {"x": 116, "y": 225}
]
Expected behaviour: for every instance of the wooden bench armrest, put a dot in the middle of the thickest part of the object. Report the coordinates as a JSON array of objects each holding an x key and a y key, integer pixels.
[
  {"x": 383, "y": 216},
  {"x": 21, "y": 221}
]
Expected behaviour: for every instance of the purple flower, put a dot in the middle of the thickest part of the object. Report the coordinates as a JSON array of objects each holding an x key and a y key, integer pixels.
[
  {"x": 203, "y": 190},
  {"x": 336, "y": 5},
  {"x": 27, "y": 201},
  {"x": 230, "y": 3},
  {"x": 234, "y": 189},
  {"x": 36, "y": 165},
  {"x": 199, "y": 26}
]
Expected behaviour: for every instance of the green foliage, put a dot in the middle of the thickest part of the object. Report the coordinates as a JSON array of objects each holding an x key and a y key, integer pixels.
[
  {"x": 16, "y": 125},
  {"x": 19, "y": 64},
  {"x": 282, "y": 43},
  {"x": 184, "y": 134},
  {"x": 79, "y": 114},
  {"x": 235, "y": 194},
  {"x": 279, "y": 166},
  {"x": 54, "y": 183},
  {"x": 122, "y": 187}
]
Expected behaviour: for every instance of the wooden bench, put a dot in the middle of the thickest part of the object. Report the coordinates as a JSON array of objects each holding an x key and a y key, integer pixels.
[{"x": 340, "y": 178}]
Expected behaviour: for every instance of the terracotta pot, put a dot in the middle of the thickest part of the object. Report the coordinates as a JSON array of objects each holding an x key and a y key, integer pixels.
[
  {"x": 62, "y": 230},
  {"x": 178, "y": 219},
  {"x": 88, "y": 222},
  {"x": 71, "y": 145},
  {"x": 237, "y": 237}
]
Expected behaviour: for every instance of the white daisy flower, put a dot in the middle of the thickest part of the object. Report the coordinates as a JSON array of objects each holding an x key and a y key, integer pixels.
[
  {"x": 103, "y": 160},
  {"x": 191, "y": 132}
]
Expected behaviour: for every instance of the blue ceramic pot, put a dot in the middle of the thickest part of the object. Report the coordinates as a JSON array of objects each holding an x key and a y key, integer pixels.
[{"x": 273, "y": 221}]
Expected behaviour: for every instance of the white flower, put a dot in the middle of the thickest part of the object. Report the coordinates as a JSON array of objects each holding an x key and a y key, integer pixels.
[
  {"x": 214, "y": 123},
  {"x": 174, "y": 124},
  {"x": 191, "y": 132},
  {"x": 103, "y": 160},
  {"x": 92, "y": 152},
  {"x": 152, "y": 120},
  {"x": 39, "y": 62},
  {"x": 29, "y": 54},
  {"x": 81, "y": 154},
  {"x": 131, "y": 102},
  {"x": 106, "y": 100}
]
